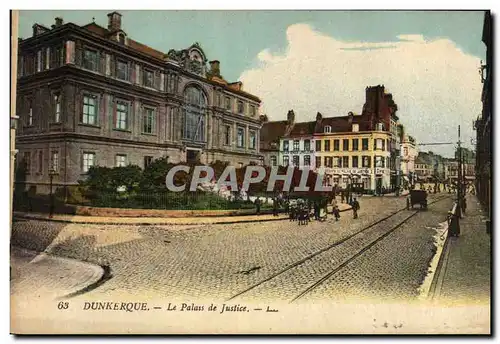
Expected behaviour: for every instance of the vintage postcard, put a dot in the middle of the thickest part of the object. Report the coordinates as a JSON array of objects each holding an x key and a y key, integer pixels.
[{"x": 250, "y": 172}]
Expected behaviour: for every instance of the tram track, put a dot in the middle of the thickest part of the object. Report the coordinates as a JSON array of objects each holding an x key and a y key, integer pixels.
[{"x": 354, "y": 239}]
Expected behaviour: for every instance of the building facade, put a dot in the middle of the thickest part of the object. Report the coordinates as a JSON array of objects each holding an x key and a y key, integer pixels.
[
  {"x": 89, "y": 95},
  {"x": 297, "y": 147},
  {"x": 409, "y": 152},
  {"x": 483, "y": 124}
]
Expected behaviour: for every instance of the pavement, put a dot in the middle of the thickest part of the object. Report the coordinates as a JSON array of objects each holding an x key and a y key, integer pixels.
[
  {"x": 41, "y": 275},
  {"x": 465, "y": 272},
  {"x": 143, "y": 221}
]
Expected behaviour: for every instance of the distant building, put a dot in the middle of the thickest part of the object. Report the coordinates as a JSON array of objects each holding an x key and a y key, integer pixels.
[
  {"x": 409, "y": 153},
  {"x": 297, "y": 147},
  {"x": 90, "y": 95}
]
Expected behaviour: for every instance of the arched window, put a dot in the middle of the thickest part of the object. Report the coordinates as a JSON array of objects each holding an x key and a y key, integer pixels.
[{"x": 194, "y": 114}]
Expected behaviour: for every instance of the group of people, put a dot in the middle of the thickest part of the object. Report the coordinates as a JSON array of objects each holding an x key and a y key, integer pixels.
[{"x": 318, "y": 207}]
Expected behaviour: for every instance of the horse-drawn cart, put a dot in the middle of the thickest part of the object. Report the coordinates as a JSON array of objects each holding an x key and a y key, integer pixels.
[{"x": 417, "y": 197}]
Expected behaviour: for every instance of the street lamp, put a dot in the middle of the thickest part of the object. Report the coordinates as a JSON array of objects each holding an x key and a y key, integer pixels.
[{"x": 52, "y": 173}]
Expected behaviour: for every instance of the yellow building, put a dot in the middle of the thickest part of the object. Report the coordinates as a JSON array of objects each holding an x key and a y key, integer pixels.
[{"x": 346, "y": 150}]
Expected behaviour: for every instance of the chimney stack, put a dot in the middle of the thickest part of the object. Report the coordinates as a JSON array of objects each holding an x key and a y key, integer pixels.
[
  {"x": 59, "y": 21},
  {"x": 350, "y": 115},
  {"x": 319, "y": 117},
  {"x": 215, "y": 68},
  {"x": 291, "y": 117},
  {"x": 114, "y": 21}
]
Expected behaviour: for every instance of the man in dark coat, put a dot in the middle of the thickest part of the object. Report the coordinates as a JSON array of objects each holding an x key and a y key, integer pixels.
[{"x": 355, "y": 208}]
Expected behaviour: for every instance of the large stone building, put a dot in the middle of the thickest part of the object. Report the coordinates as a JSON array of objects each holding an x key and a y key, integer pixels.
[{"x": 89, "y": 95}]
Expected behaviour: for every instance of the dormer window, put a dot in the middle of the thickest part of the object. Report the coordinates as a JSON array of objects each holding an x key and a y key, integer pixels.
[
  {"x": 328, "y": 129},
  {"x": 380, "y": 126},
  {"x": 355, "y": 128},
  {"x": 121, "y": 38}
]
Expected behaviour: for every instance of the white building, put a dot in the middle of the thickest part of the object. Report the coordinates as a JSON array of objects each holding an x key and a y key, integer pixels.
[{"x": 409, "y": 153}]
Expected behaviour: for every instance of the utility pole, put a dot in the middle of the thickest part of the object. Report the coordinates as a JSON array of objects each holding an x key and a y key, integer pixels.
[{"x": 459, "y": 178}]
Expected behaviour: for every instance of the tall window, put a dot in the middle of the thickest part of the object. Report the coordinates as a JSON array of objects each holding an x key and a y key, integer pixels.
[
  {"x": 318, "y": 145},
  {"x": 364, "y": 144},
  {"x": 30, "y": 113},
  {"x": 121, "y": 115},
  {"x": 194, "y": 115},
  {"x": 336, "y": 145},
  {"x": 355, "y": 144},
  {"x": 354, "y": 161},
  {"x": 148, "y": 160},
  {"x": 274, "y": 161},
  {"x": 39, "y": 61},
  {"x": 295, "y": 160},
  {"x": 54, "y": 161},
  {"x": 379, "y": 161},
  {"x": 148, "y": 78},
  {"x": 296, "y": 145},
  {"x": 253, "y": 111},
  {"x": 286, "y": 146},
  {"x": 327, "y": 145},
  {"x": 240, "y": 107},
  {"x": 88, "y": 161},
  {"x": 345, "y": 161},
  {"x": 47, "y": 58},
  {"x": 383, "y": 144},
  {"x": 227, "y": 135},
  {"x": 227, "y": 101},
  {"x": 307, "y": 160},
  {"x": 57, "y": 108},
  {"x": 40, "y": 162},
  {"x": 318, "y": 161},
  {"x": 345, "y": 144},
  {"x": 405, "y": 151},
  {"x": 240, "y": 137},
  {"x": 307, "y": 145},
  {"x": 253, "y": 139},
  {"x": 286, "y": 160},
  {"x": 122, "y": 70},
  {"x": 366, "y": 161},
  {"x": 337, "y": 161},
  {"x": 121, "y": 160},
  {"x": 27, "y": 162},
  {"x": 149, "y": 121},
  {"x": 89, "y": 110},
  {"x": 90, "y": 60}
]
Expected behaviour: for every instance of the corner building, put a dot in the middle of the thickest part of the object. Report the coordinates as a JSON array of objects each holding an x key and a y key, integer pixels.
[{"x": 89, "y": 95}]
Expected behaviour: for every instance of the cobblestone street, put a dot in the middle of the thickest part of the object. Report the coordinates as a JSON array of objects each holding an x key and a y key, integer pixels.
[{"x": 220, "y": 261}]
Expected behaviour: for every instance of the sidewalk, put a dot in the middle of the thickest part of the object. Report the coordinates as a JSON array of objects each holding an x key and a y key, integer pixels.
[
  {"x": 143, "y": 221},
  {"x": 39, "y": 275},
  {"x": 464, "y": 276}
]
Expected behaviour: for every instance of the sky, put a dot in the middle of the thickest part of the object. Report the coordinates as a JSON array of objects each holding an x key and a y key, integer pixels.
[{"x": 322, "y": 61}]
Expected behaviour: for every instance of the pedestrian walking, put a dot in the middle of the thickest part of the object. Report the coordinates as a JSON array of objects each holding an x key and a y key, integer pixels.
[
  {"x": 257, "y": 205},
  {"x": 355, "y": 207},
  {"x": 275, "y": 206},
  {"x": 342, "y": 196}
]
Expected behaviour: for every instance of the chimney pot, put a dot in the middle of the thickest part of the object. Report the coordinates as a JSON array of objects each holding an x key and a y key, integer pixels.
[
  {"x": 59, "y": 21},
  {"x": 290, "y": 117},
  {"x": 215, "y": 67}
]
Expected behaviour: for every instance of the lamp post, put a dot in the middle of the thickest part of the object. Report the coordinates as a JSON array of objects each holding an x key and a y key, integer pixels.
[{"x": 52, "y": 173}]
